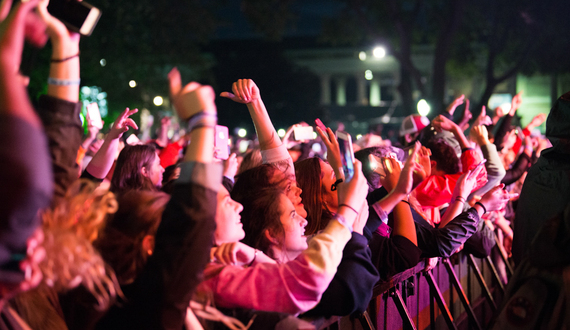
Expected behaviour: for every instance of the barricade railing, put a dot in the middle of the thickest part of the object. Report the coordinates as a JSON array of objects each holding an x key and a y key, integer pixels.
[{"x": 461, "y": 292}]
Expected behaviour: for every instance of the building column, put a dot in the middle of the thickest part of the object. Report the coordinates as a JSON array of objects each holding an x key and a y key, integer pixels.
[
  {"x": 361, "y": 98},
  {"x": 325, "y": 89},
  {"x": 340, "y": 91},
  {"x": 375, "y": 92}
]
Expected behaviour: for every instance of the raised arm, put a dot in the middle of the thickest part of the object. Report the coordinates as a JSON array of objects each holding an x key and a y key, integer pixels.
[
  {"x": 442, "y": 123},
  {"x": 103, "y": 160}
]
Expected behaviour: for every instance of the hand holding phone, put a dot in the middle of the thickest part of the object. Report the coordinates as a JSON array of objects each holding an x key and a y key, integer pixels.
[
  {"x": 78, "y": 16},
  {"x": 320, "y": 125},
  {"x": 346, "y": 153},
  {"x": 94, "y": 116}
]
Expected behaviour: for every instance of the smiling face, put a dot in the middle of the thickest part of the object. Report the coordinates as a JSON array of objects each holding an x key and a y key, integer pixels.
[
  {"x": 228, "y": 220},
  {"x": 292, "y": 191}
]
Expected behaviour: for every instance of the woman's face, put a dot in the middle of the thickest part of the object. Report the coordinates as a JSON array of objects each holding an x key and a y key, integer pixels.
[
  {"x": 228, "y": 220},
  {"x": 293, "y": 192},
  {"x": 155, "y": 172},
  {"x": 294, "y": 241},
  {"x": 327, "y": 180}
]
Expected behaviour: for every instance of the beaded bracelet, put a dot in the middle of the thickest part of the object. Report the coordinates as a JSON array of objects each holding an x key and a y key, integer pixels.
[{"x": 64, "y": 82}]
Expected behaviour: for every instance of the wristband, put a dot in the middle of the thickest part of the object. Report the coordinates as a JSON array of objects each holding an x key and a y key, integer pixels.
[
  {"x": 53, "y": 60},
  {"x": 407, "y": 202},
  {"x": 459, "y": 199},
  {"x": 483, "y": 206},
  {"x": 202, "y": 119},
  {"x": 350, "y": 207},
  {"x": 64, "y": 82},
  {"x": 342, "y": 221}
]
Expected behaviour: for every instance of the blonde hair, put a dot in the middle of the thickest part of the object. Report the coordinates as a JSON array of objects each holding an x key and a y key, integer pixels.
[{"x": 69, "y": 228}]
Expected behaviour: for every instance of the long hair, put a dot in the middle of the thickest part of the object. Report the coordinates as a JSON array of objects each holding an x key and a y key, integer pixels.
[
  {"x": 128, "y": 175},
  {"x": 309, "y": 179},
  {"x": 265, "y": 176},
  {"x": 69, "y": 230},
  {"x": 120, "y": 243},
  {"x": 261, "y": 212}
]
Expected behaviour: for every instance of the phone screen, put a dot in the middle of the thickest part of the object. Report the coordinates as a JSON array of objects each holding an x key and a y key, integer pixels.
[
  {"x": 346, "y": 153},
  {"x": 221, "y": 143},
  {"x": 303, "y": 133},
  {"x": 78, "y": 16},
  {"x": 94, "y": 116}
]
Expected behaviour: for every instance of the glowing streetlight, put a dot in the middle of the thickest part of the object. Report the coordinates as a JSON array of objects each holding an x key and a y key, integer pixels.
[
  {"x": 423, "y": 108},
  {"x": 132, "y": 84},
  {"x": 242, "y": 132},
  {"x": 368, "y": 75},
  {"x": 158, "y": 101},
  {"x": 379, "y": 52},
  {"x": 103, "y": 62},
  {"x": 281, "y": 132},
  {"x": 362, "y": 56}
]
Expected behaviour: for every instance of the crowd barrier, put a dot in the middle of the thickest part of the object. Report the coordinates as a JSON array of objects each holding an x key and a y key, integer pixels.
[{"x": 462, "y": 292}]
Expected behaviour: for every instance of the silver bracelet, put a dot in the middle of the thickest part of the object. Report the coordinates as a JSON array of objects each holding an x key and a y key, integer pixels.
[{"x": 64, "y": 82}]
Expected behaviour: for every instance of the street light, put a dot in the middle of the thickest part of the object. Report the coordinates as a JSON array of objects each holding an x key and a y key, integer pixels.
[
  {"x": 242, "y": 132},
  {"x": 281, "y": 132},
  {"x": 132, "y": 84},
  {"x": 158, "y": 101},
  {"x": 362, "y": 56},
  {"x": 379, "y": 52},
  {"x": 368, "y": 75},
  {"x": 423, "y": 108}
]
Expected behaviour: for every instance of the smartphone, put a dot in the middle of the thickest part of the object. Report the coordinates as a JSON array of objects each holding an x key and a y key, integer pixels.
[
  {"x": 93, "y": 115},
  {"x": 346, "y": 153},
  {"x": 476, "y": 167},
  {"x": 78, "y": 16},
  {"x": 303, "y": 133},
  {"x": 320, "y": 125},
  {"x": 221, "y": 143}
]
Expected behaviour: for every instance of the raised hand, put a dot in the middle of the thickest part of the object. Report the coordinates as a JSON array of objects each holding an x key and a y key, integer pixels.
[
  {"x": 483, "y": 119},
  {"x": 122, "y": 124},
  {"x": 480, "y": 135},
  {"x": 537, "y": 121},
  {"x": 235, "y": 253},
  {"x": 441, "y": 123},
  {"x": 496, "y": 198},
  {"x": 353, "y": 192},
  {"x": 231, "y": 166},
  {"x": 192, "y": 98},
  {"x": 457, "y": 102},
  {"x": 465, "y": 183},
  {"x": 244, "y": 91},
  {"x": 516, "y": 103},
  {"x": 333, "y": 151}
]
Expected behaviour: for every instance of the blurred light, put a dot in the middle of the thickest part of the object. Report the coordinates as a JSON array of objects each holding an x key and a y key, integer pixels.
[
  {"x": 103, "y": 62},
  {"x": 221, "y": 135},
  {"x": 355, "y": 124},
  {"x": 368, "y": 75},
  {"x": 281, "y": 132},
  {"x": 101, "y": 95},
  {"x": 86, "y": 90},
  {"x": 358, "y": 136},
  {"x": 362, "y": 56},
  {"x": 317, "y": 147},
  {"x": 158, "y": 101},
  {"x": 506, "y": 107},
  {"x": 242, "y": 132},
  {"x": 385, "y": 119},
  {"x": 379, "y": 52},
  {"x": 243, "y": 145},
  {"x": 423, "y": 107},
  {"x": 132, "y": 84},
  {"x": 315, "y": 135}
]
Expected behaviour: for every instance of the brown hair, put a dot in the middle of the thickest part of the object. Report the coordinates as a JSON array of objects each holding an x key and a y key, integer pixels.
[
  {"x": 120, "y": 243},
  {"x": 309, "y": 179},
  {"x": 128, "y": 175}
]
